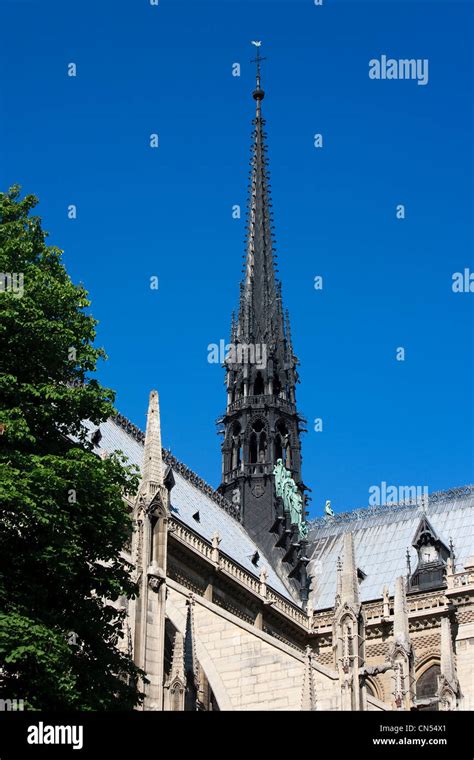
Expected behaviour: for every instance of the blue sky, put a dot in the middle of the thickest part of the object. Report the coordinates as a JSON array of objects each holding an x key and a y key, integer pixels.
[{"x": 143, "y": 212}]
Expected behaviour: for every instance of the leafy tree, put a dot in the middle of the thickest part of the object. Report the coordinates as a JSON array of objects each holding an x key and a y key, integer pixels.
[{"x": 63, "y": 521}]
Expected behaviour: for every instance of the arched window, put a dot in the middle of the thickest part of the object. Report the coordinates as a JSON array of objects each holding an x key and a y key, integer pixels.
[
  {"x": 236, "y": 446},
  {"x": 259, "y": 385},
  {"x": 258, "y": 443},
  {"x": 427, "y": 687},
  {"x": 373, "y": 688},
  {"x": 282, "y": 444},
  {"x": 278, "y": 449},
  {"x": 253, "y": 448}
]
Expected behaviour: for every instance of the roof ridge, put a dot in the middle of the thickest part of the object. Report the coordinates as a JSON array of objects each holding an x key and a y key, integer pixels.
[
  {"x": 191, "y": 476},
  {"x": 360, "y": 512}
]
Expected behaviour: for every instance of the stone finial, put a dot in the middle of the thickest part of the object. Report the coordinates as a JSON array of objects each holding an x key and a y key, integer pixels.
[
  {"x": 338, "y": 581},
  {"x": 386, "y": 603},
  {"x": 193, "y": 670},
  {"x": 308, "y": 697},
  {"x": 175, "y": 686},
  {"x": 152, "y": 472},
  {"x": 349, "y": 583},
  {"x": 190, "y": 659},
  {"x": 450, "y": 572},
  {"x": 216, "y": 539},
  {"x": 401, "y": 629},
  {"x": 177, "y": 659}
]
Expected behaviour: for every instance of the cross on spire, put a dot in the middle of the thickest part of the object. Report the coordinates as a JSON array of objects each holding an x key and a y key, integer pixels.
[{"x": 258, "y": 93}]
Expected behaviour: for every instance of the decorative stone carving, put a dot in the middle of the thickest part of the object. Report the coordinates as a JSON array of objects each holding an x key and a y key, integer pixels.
[
  {"x": 236, "y": 498},
  {"x": 215, "y": 547},
  {"x": 155, "y": 582},
  {"x": 328, "y": 510},
  {"x": 258, "y": 489}
]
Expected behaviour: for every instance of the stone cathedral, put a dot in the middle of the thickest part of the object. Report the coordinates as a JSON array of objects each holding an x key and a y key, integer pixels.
[{"x": 244, "y": 604}]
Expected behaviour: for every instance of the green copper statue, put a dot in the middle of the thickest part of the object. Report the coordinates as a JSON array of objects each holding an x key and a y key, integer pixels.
[
  {"x": 279, "y": 473},
  {"x": 287, "y": 489}
]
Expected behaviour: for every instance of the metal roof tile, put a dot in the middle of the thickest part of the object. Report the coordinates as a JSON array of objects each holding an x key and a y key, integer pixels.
[
  {"x": 382, "y": 536},
  {"x": 187, "y": 499}
]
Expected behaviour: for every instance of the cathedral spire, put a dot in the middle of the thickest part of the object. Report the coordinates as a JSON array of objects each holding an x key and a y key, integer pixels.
[
  {"x": 261, "y": 422},
  {"x": 260, "y": 313}
]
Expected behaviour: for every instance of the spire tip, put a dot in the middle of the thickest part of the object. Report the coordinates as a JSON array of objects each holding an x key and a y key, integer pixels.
[{"x": 258, "y": 93}]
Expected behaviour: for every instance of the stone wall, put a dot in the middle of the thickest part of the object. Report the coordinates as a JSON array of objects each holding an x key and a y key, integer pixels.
[
  {"x": 465, "y": 664},
  {"x": 246, "y": 668}
]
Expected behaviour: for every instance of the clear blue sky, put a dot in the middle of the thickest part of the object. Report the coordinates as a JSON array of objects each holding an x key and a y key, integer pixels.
[{"x": 167, "y": 212}]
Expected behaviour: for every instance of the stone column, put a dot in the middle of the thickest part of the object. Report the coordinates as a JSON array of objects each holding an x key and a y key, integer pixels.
[
  {"x": 401, "y": 653},
  {"x": 152, "y": 512}
]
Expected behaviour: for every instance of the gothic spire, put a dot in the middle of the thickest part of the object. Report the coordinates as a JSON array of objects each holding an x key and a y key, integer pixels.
[
  {"x": 261, "y": 422},
  {"x": 175, "y": 686},
  {"x": 260, "y": 314},
  {"x": 177, "y": 661}
]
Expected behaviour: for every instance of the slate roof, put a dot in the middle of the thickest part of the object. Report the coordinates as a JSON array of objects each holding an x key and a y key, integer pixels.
[
  {"x": 187, "y": 499},
  {"x": 381, "y": 538},
  {"x": 381, "y": 534}
]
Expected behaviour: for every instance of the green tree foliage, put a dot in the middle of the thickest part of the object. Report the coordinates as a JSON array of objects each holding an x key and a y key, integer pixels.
[{"x": 63, "y": 521}]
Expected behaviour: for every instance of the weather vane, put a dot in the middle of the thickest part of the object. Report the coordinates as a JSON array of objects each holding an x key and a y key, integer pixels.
[
  {"x": 258, "y": 58},
  {"x": 258, "y": 93}
]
